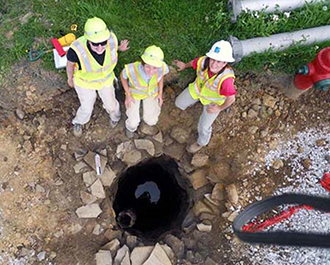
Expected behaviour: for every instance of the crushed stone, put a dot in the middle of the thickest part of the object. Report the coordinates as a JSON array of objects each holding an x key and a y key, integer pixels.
[{"x": 300, "y": 181}]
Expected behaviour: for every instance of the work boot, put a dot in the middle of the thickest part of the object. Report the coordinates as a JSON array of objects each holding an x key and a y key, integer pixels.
[
  {"x": 193, "y": 148},
  {"x": 77, "y": 130},
  {"x": 113, "y": 124},
  {"x": 129, "y": 134}
]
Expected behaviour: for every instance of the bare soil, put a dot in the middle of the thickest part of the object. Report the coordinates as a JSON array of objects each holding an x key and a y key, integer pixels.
[{"x": 39, "y": 191}]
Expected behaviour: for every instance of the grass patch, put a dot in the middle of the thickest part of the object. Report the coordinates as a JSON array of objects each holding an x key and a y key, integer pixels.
[{"x": 183, "y": 29}]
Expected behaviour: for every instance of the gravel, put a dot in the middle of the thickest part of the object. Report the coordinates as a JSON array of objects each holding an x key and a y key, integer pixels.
[{"x": 304, "y": 181}]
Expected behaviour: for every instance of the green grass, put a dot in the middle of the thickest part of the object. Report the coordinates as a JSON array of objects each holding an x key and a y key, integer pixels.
[{"x": 184, "y": 29}]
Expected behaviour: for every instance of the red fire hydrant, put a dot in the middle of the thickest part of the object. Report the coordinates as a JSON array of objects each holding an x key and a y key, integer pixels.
[
  {"x": 325, "y": 181},
  {"x": 315, "y": 74}
]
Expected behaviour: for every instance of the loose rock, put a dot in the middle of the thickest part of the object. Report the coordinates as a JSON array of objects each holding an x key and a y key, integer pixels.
[
  {"x": 158, "y": 257},
  {"x": 176, "y": 244},
  {"x": 112, "y": 246},
  {"x": 20, "y": 114},
  {"x": 147, "y": 129},
  {"x": 278, "y": 164},
  {"x": 198, "y": 179},
  {"x": 97, "y": 189},
  {"x": 124, "y": 148},
  {"x": 121, "y": 256},
  {"x": 89, "y": 178},
  {"x": 158, "y": 137},
  {"x": 103, "y": 257},
  {"x": 80, "y": 167},
  {"x": 107, "y": 177},
  {"x": 232, "y": 216},
  {"x": 175, "y": 150},
  {"x": 252, "y": 114},
  {"x": 140, "y": 254},
  {"x": 131, "y": 241},
  {"x": 269, "y": 101},
  {"x": 203, "y": 227},
  {"x": 180, "y": 135},
  {"x": 220, "y": 171},
  {"x": 218, "y": 192},
  {"x": 253, "y": 129},
  {"x": 87, "y": 198},
  {"x": 89, "y": 211},
  {"x": 232, "y": 193},
  {"x": 132, "y": 157},
  {"x": 306, "y": 163},
  {"x": 200, "y": 160},
  {"x": 145, "y": 144}
]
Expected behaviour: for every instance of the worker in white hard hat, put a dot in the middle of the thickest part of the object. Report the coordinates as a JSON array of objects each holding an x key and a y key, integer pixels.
[
  {"x": 91, "y": 60},
  {"x": 213, "y": 87},
  {"x": 143, "y": 82}
]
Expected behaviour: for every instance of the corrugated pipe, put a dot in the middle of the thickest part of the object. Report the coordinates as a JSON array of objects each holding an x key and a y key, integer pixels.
[
  {"x": 279, "y": 42},
  {"x": 269, "y": 6}
]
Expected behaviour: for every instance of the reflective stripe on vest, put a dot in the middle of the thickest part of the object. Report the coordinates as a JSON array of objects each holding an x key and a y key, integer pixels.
[
  {"x": 139, "y": 88},
  {"x": 207, "y": 89},
  {"x": 92, "y": 75}
]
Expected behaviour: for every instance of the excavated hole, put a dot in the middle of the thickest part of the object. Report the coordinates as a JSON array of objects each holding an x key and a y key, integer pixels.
[{"x": 152, "y": 198}]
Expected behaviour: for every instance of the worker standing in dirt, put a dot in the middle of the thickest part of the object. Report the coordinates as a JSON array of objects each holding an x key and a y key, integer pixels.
[
  {"x": 143, "y": 81},
  {"x": 213, "y": 87},
  {"x": 91, "y": 61}
]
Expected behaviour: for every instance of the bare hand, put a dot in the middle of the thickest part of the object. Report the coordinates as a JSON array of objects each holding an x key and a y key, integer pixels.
[
  {"x": 213, "y": 108},
  {"x": 70, "y": 82},
  {"x": 160, "y": 100},
  {"x": 123, "y": 45},
  {"x": 181, "y": 65},
  {"x": 128, "y": 100}
]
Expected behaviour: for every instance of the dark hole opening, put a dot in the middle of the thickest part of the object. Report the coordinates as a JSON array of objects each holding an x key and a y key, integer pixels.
[{"x": 152, "y": 198}]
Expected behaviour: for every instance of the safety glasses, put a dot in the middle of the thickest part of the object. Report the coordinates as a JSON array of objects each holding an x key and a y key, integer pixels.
[{"x": 103, "y": 43}]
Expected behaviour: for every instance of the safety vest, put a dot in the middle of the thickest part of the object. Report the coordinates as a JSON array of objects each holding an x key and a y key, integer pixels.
[
  {"x": 207, "y": 89},
  {"x": 139, "y": 88},
  {"x": 92, "y": 75}
]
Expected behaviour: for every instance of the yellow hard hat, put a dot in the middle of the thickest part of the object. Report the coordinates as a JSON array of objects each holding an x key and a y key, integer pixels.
[
  {"x": 96, "y": 30},
  {"x": 154, "y": 56},
  {"x": 221, "y": 51}
]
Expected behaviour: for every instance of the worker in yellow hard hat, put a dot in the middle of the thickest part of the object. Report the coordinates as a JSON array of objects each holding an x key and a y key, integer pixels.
[
  {"x": 143, "y": 81},
  {"x": 213, "y": 87},
  {"x": 91, "y": 61}
]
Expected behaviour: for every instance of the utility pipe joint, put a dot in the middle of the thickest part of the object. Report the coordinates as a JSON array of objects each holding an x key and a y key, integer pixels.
[{"x": 238, "y": 6}]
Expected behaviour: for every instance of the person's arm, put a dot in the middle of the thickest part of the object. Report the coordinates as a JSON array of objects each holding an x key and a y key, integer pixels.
[
  {"x": 160, "y": 91},
  {"x": 181, "y": 65},
  {"x": 128, "y": 96},
  {"x": 69, "y": 72},
  {"x": 212, "y": 108}
]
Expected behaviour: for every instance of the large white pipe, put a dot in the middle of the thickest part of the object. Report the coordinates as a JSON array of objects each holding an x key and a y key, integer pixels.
[
  {"x": 269, "y": 6},
  {"x": 279, "y": 42}
]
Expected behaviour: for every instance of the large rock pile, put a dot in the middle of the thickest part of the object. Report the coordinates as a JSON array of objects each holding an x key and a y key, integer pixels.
[{"x": 209, "y": 194}]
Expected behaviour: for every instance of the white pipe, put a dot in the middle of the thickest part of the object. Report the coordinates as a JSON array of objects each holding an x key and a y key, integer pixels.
[
  {"x": 279, "y": 42},
  {"x": 269, "y": 6}
]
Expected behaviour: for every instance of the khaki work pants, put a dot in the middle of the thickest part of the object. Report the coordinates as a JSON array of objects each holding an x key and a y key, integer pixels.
[
  {"x": 151, "y": 111},
  {"x": 87, "y": 98}
]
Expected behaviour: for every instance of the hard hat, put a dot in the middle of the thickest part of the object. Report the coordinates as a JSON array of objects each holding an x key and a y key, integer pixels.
[
  {"x": 96, "y": 30},
  {"x": 154, "y": 56},
  {"x": 221, "y": 51}
]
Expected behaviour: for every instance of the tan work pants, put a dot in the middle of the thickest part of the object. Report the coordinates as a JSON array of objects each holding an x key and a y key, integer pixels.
[{"x": 151, "y": 111}]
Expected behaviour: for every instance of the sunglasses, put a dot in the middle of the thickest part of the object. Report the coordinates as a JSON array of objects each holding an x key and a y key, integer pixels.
[{"x": 103, "y": 43}]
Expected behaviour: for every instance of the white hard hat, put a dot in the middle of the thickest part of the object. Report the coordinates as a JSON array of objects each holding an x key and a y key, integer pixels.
[{"x": 221, "y": 51}]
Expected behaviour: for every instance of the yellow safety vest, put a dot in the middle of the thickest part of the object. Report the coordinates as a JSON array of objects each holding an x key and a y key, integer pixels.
[
  {"x": 139, "y": 88},
  {"x": 207, "y": 89},
  {"x": 92, "y": 75}
]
